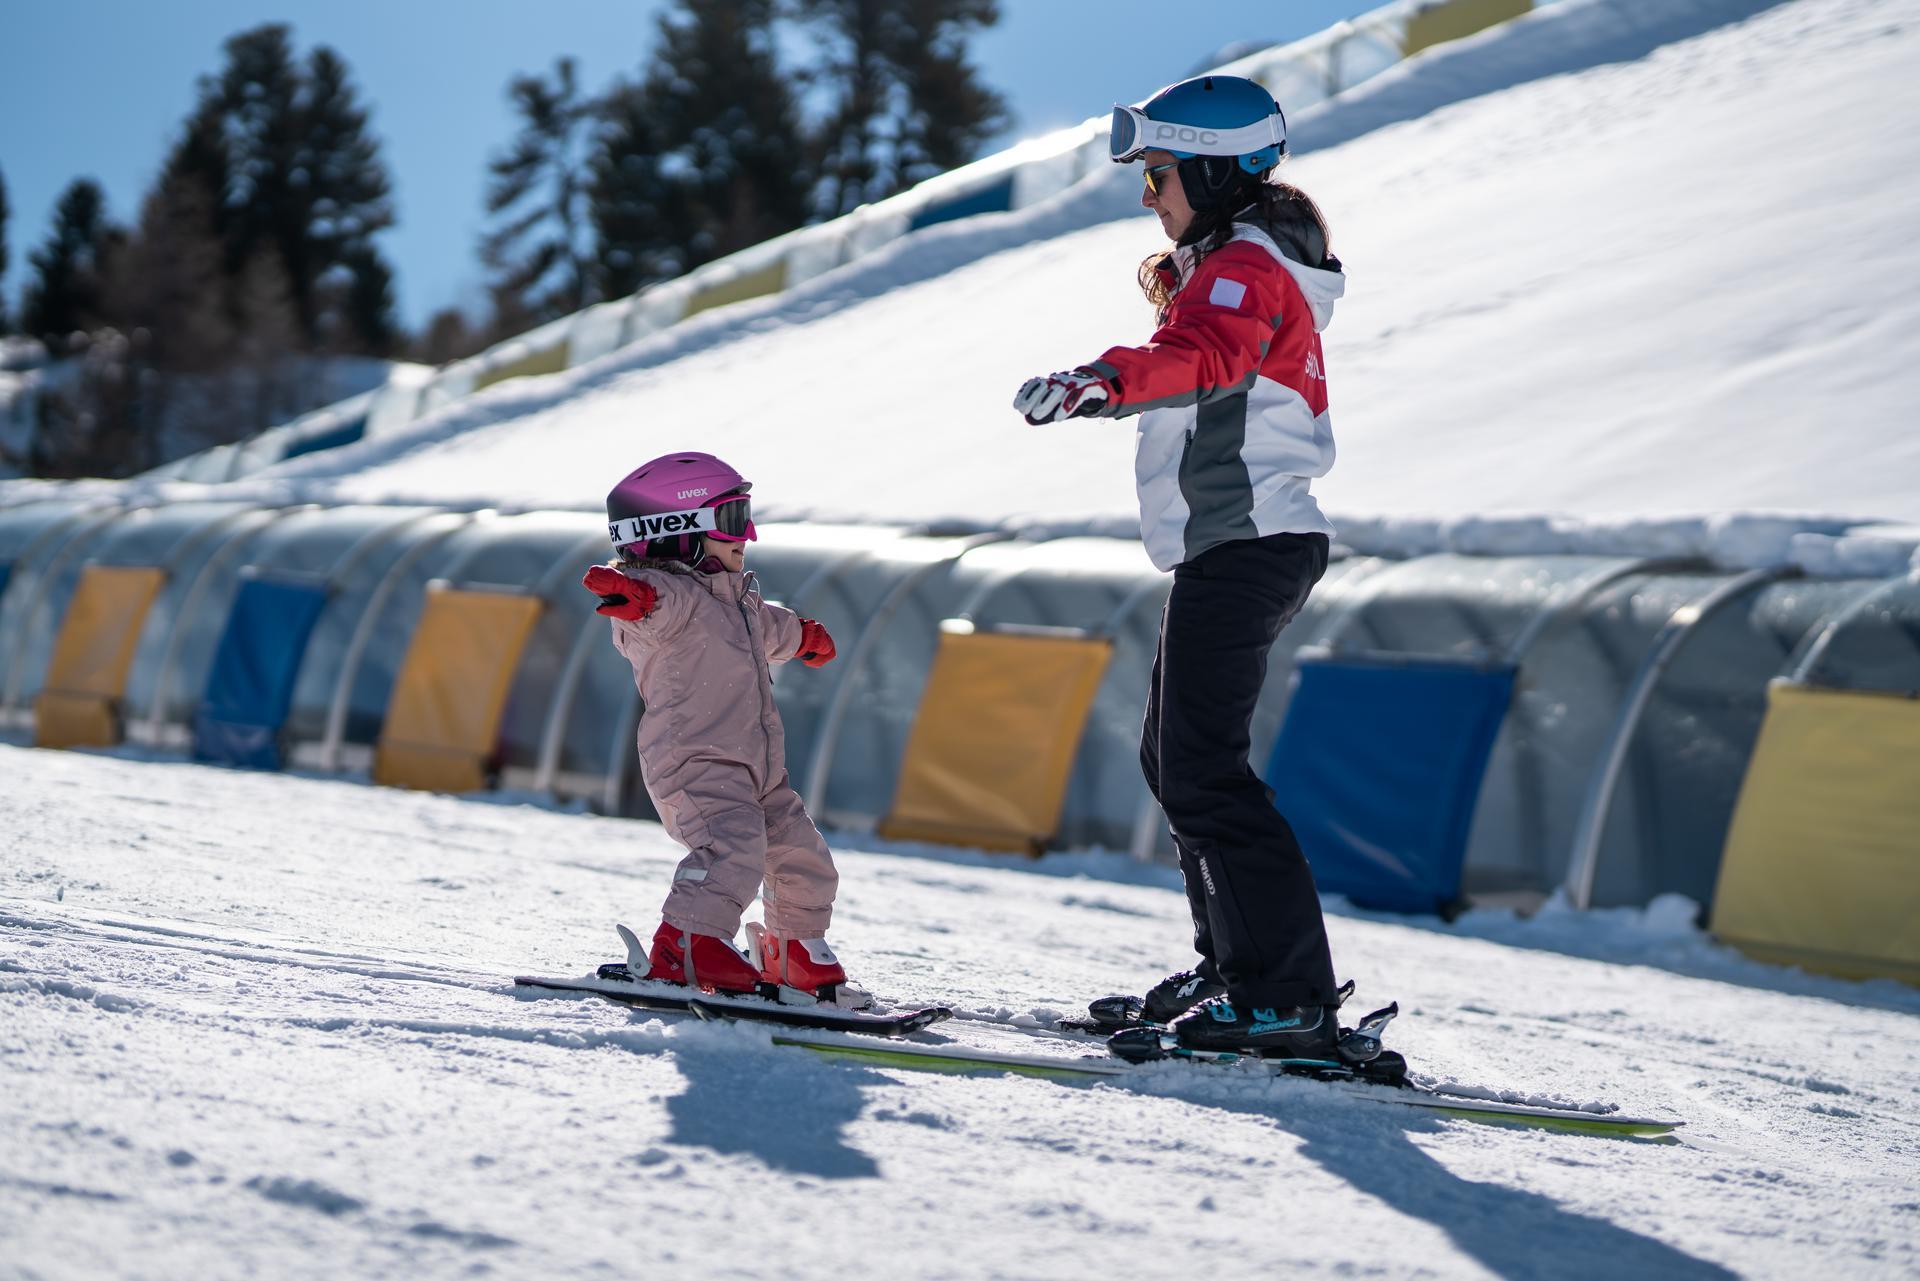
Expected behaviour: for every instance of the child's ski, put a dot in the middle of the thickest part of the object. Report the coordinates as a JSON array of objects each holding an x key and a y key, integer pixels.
[{"x": 613, "y": 983}]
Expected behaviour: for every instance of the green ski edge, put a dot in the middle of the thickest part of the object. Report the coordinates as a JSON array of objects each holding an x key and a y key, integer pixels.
[{"x": 1488, "y": 1112}]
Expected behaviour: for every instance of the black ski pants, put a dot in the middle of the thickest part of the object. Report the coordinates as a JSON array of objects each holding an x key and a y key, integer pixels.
[{"x": 1256, "y": 913}]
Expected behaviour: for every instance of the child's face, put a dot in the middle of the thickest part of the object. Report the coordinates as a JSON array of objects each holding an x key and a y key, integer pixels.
[{"x": 732, "y": 555}]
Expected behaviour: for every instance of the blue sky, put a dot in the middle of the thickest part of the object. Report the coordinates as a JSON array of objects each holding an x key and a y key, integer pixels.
[{"x": 98, "y": 89}]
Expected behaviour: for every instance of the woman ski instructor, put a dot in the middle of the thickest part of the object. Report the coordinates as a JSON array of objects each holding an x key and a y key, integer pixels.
[{"x": 1231, "y": 395}]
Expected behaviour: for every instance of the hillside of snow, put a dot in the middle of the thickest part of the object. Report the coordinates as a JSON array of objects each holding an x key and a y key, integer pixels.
[
  {"x": 1601, "y": 276},
  {"x": 259, "y": 1025}
]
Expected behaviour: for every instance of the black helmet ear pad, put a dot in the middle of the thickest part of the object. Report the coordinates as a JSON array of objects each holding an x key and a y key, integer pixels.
[{"x": 1209, "y": 181}]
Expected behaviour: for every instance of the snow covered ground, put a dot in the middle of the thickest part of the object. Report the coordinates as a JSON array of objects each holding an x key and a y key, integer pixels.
[
  {"x": 256, "y": 1025},
  {"x": 1646, "y": 266}
]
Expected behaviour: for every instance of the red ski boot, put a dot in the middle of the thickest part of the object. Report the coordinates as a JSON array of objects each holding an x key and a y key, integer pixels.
[
  {"x": 705, "y": 961},
  {"x": 804, "y": 965}
]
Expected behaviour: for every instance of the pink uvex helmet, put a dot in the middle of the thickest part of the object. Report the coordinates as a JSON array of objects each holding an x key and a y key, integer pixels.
[{"x": 664, "y": 508}]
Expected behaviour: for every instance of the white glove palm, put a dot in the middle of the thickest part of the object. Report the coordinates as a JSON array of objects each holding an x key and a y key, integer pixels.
[{"x": 1075, "y": 393}]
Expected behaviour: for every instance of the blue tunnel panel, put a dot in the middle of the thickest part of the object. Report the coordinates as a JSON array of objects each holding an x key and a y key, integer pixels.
[
  {"x": 251, "y": 685},
  {"x": 996, "y": 198},
  {"x": 1377, "y": 769}
]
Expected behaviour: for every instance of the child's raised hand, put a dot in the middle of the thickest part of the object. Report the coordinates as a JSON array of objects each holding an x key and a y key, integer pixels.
[
  {"x": 816, "y": 647},
  {"x": 620, "y": 596}
]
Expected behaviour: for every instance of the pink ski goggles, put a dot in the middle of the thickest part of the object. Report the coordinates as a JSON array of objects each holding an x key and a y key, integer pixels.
[{"x": 732, "y": 519}]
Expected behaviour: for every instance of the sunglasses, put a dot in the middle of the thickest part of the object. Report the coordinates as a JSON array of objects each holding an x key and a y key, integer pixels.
[{"x": 1152, "y": 174}]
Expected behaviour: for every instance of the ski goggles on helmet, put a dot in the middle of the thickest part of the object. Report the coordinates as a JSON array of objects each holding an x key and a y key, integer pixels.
[
  {"x": 729, "y": 519},
  {"x": 1133, "y": 133}
]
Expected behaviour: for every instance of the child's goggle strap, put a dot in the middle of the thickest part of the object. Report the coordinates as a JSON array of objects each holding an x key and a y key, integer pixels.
[
  {"x": 1133, "y": 133},
  {"x": 731, "y": 518}
]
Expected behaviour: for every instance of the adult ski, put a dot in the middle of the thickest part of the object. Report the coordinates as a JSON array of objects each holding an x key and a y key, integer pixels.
[{"x": 919, "y": 1056}]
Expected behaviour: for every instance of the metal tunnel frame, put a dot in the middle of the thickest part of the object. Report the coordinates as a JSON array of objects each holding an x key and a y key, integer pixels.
[
  {"x": 1584, "y": 862},
  {"x": 1803, "y": 671},
  {"x": 560, "y": 709},
  {"x": 36, "y": 593},
  {"x": 152, "y": 727},
  {"x": 820, "y": 765},
  {"x": 363, "y": 633}
]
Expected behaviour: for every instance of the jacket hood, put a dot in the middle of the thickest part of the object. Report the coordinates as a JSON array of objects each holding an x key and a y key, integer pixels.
[
  {"x": 1299, "y": 247},
  {"x": 1302, "y": 250}
]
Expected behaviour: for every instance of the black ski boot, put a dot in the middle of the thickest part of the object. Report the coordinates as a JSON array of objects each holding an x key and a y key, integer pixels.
[
  {"x": 1310, "y": 1032},
  {"x": 1165, "y": 1001},
  {"x": 1175, "y": 994}
]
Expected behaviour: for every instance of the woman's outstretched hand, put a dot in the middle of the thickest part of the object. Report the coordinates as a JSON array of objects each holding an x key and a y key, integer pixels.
[
  {"x": 620, "y": 596},
  {"x": 1075, "y": 393}
]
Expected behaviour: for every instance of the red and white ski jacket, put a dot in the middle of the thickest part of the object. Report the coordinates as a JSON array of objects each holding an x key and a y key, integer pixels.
[{"x": 1232, "y": 397}]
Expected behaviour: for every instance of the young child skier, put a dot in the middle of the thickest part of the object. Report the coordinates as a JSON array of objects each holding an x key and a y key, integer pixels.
[
  {"x": 703, "y": 643},
  {"x": 1233, "y": 426}
]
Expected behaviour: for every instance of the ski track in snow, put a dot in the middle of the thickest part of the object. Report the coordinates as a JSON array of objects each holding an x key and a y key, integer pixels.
[{"x": 262, "y": 1025}]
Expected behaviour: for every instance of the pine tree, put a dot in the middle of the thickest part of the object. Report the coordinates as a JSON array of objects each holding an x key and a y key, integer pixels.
[
  {"x": 449, "y": 335},
  {"x": 906, "y": 103},
  {"x": 539, "y": 254},
  {"x": 169, "y": 280},
  {"x": 950, "y": 113},
  {"x": 65, "y": 296},
  {"x": 634, "y": 212},
  {"x": 704, "y": 156},
  {"x": 305, "y": 181},
  {"x": 351, "y": 202},
  {"x": 367, "y": 304}
]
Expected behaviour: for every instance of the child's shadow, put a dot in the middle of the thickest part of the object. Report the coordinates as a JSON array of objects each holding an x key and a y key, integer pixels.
[{"x": 792, "y": 1119}]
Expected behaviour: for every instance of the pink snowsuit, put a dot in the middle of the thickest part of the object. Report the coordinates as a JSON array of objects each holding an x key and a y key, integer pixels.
[{"x": 713, "y": 754}]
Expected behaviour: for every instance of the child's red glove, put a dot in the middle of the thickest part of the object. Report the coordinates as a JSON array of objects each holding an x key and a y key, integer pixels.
[
  {"x": 816, "y": 647},
  {"x": 620, "y": 596}
]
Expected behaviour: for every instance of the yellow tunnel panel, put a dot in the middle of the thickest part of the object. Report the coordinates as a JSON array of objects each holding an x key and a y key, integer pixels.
[
  {"x": 79, "y": 705},
  {"x": 1453, "y": 19},
  {"x": 443, "y": 720},
  {"x": 770, "y": 279},
  {"x": 1822, "y": 862},
  {"x": 550, "y": 360},
  {"x": 992, "y": 744}
]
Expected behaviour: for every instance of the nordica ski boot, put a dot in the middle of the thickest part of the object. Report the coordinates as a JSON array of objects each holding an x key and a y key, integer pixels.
[
  {"x": 1300, "y": 1041},
  {"x": 1165, "y": 1001},
  {"x": 1295, "y": 1032}
]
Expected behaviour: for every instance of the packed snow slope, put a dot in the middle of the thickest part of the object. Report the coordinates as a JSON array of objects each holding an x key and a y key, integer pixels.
[
  {"x": 262, "y": 1025},
  {"x": 1618, "y": 257}
]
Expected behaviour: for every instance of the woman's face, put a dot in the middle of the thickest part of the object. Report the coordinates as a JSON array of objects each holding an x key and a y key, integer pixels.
[
  {"x": 731, "y": 555},
  {"x": 1170, "y": 202}
]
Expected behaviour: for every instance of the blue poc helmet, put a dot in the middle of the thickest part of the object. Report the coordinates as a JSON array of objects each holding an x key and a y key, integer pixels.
[{"x": 1222, "y": 129}]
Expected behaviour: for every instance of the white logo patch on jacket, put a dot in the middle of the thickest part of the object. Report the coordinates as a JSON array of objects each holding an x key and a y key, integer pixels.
[{"x": 1227, "y": 293}]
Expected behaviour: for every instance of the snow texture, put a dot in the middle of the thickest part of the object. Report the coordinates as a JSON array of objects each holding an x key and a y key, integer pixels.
[{"x": 262, "y": 1025}]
